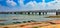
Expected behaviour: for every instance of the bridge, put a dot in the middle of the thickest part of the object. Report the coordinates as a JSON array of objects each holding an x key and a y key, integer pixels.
[{"x": 39, "y": 12}]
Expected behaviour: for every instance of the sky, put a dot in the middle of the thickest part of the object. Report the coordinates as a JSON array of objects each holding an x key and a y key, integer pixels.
[{"x": 26, "y": 5}]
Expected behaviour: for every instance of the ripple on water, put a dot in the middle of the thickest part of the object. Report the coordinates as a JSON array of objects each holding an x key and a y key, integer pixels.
[{"x": 13, "y": 17}]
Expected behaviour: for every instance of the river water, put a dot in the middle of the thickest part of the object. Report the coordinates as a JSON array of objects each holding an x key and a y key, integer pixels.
[{"x": 20, "y": 18}]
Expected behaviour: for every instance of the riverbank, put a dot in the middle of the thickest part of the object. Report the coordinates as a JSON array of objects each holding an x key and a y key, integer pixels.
[
  {"x": 43, "y": 24},
  {"x": 58, "y": 16}
]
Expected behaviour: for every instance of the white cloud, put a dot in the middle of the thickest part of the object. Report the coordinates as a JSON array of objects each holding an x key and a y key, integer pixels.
[
  {"x": 40, "y": 6},
  {"x": 53, "y": 5},
  {"x": 12, "y": 3},
  {"x": 31, "y": 6}
]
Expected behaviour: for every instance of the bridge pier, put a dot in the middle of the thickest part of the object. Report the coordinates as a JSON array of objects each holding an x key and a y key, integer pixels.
[
  {"x": 58, "y": 13},
  {"x": 43, "y": 13},
  {"x": 21, "y": 12},
  {"x": 32, "y": 13},
  {"x": 39, "y": 13},
  {"x": 14, "y": 13},
  {"x": 35, "y": 12},
  {"x": 25, "y": 12},
  {"x": 28, "y": 13}
]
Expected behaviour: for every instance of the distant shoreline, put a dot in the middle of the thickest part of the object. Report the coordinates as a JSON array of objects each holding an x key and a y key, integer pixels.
[{"x": 58, "y": 16}]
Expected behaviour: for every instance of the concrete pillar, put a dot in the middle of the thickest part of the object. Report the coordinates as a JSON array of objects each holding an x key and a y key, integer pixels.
[
  {"x": 43, "y": 13},
  {"x": 24, "y": 12},
  {"x": 10, "y": 12},
  {"x": 21, "y": 12},
  {"x": 39, "y": 13},
  {"x": 56, "y": 13},
  {"x": 14, "y": 12},
  {"x": 35, "y": 12},
  {"x": 28, "y": 13},
  {"x": 32, "y": 12}
]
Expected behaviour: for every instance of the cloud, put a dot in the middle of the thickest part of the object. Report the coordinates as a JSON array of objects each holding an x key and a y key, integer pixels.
[
  {"x": 33, "y": 6},
  {"x": 11, "y": 6},
  {"x": 30, "y": 6},
  {"x": 53, "y": 5},
  {"x": 11, "y": 2},
  {"x": 42, "y": 6},
  {"x": 8, "y": 9}
]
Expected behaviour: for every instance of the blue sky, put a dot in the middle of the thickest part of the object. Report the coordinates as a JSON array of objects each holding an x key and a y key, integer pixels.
[
  {"x": 3, "y": 2},
  {"x": 24, "y": 5}
]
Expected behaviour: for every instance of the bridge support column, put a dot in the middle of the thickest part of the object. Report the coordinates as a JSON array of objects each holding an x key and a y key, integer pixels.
[
  {"x": 21, "y": 12},
  {"x": 28, "y": 13},
  {"x": 25, "y": 12},
  {"x": 14, "y": 12},
  {"x": 32, "y": 12},
  {"x": 11, "y": 12},
  {"x": 45, "y": 12},
  {"x": 57, "y": 13},
  {"x": 39, "y": 13}
]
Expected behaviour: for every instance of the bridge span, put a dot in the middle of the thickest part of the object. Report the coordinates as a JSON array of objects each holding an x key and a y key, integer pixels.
[{"x": 39, "y": 12}]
